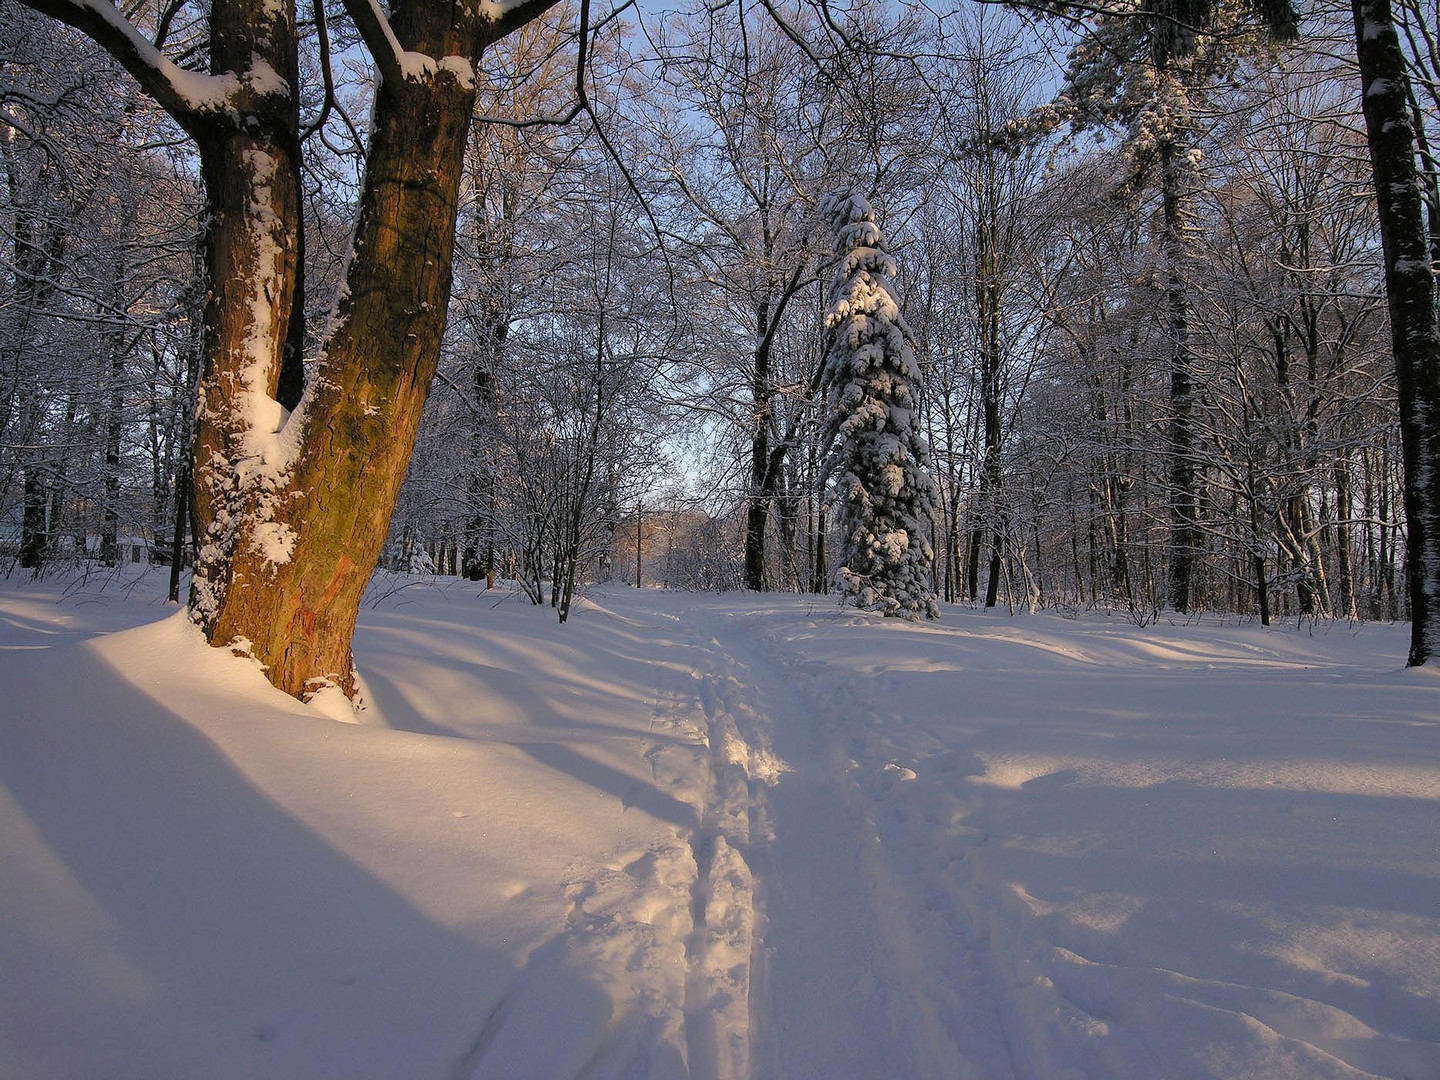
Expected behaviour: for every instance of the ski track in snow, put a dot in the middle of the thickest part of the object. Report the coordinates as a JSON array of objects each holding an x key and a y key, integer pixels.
[
  {"x": 757, "y": 838},
  {"x": 930, "y": 961},
  {"x": 848, "y": 990}
]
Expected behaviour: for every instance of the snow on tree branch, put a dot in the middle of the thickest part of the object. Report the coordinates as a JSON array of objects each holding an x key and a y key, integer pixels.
[
  {"x": 185, "y": 95},
  {"x": 397, "y": 62}
]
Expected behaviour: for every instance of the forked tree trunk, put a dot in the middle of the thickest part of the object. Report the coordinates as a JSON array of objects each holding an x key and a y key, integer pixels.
[
  {"x": 295, "y": 584},
  {"x": 291, "y": 512}
]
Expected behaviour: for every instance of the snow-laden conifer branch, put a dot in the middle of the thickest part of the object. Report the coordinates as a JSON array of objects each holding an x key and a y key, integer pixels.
[
  {"x": 877, "y": 459},
  {"x": 1176, "y": 25}
]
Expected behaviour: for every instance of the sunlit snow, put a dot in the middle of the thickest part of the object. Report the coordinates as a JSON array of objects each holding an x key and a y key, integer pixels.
[{"x": 715, "y": 837}]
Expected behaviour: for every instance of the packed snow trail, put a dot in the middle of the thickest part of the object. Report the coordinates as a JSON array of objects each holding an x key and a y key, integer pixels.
[
  {"x": 716, "y": 838},
  {"x": 847, "y": 988},
  {"x": 1020, "y": 848}
]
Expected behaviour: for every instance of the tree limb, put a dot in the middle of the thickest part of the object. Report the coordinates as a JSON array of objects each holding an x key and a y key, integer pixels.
[
  {"x": 188, "y": 96},
  {"x": 375, "y": 30}
]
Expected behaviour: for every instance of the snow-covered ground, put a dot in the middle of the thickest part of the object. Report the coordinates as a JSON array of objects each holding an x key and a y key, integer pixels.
[{"x": 715, "y": 837}]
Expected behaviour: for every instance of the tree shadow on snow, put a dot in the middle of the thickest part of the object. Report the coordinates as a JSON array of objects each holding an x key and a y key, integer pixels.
[{"x": 165, "y": 918}]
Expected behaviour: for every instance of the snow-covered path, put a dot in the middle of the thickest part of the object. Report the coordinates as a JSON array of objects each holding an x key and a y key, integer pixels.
[
  {"x": 1049, "y": 850},
  {"x": 718, "y": 838},
  {"x": 846, "y": 987}
]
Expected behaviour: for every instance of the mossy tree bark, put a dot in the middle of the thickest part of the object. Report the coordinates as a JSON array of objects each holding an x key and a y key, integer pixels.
[{"x": 335, "y": 502}]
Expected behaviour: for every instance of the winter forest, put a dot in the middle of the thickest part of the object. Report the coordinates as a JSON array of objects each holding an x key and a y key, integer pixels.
[
  {"x": 1137, "y": 251},
  {"x": 606, "y": 376}
]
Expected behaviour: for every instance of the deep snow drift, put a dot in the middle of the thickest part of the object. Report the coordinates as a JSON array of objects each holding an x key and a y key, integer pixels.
[{"x": 715, "y": 837}]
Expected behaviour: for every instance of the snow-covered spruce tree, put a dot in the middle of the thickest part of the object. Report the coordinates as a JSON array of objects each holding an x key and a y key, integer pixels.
[{"x": 876, "y": 457}]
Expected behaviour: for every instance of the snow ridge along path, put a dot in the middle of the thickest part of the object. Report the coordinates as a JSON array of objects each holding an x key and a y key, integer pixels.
[{"x": 716, "y": 838}]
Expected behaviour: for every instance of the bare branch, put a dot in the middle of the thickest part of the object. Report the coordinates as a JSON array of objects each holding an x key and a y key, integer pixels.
[
  {"x": 322, "y": 32},
  {"x": 508, "y": 17}
]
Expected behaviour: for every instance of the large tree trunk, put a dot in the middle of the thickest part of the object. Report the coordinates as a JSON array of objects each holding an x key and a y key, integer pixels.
[
  {"x": 1184, "y": 495},
  {"x": 33, "y": 523},
  {"x": 762, "y": 481},
  {"x": 295, "y": 584},
  {"x": 294, "y": 511},
  {"x": 1410, "y": 291}
]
